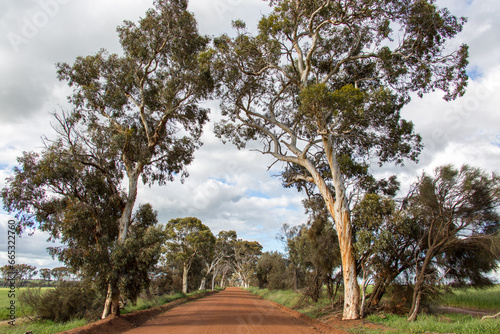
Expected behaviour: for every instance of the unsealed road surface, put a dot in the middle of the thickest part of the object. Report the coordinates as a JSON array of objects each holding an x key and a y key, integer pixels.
[{"x": 230, "y": 311}]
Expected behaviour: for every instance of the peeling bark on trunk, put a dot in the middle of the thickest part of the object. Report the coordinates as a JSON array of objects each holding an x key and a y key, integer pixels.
[
  {"x": 342, "y": 216},
  {"x": 340, "y": 212},
  {"x": 351, "y": 288},
  {"x": 112, "y": 304},
  {"x": 129, "y": 205}
]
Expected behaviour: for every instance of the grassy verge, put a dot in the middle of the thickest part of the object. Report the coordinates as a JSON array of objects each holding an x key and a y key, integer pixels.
[
  {"x": 41, "y": 327},
  {"x": 146, "y": 303},
  {"x": 446, "y": 323},
  {"x": 293, "y": 300},
  {"x": 48, "y": 327}
]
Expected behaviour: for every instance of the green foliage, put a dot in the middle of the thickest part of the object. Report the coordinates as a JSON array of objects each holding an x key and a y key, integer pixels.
[
  {"x": 186, "y": 238},
  {"x": 80, "y": 205},
  {"x": 65, "y": 302},
  {"x": 322, "y": 90},
  {"x": 246, "y": 255},
  {"x": 187, "y": 241},
  {"x": 456, "y": 211},
  {"x": 271, "y": 271}
]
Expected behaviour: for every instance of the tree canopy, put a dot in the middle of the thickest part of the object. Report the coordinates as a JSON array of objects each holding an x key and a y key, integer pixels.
[{"x": 322, "y": 85}]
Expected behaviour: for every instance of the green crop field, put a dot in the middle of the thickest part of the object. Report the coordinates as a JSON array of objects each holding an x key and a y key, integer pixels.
[
  {"x": 5, "y": 303},
  {"x": 479, "y": 299}
]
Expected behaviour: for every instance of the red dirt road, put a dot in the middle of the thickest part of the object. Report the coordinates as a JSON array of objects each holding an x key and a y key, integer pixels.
[{"x": 230, "y": 311}]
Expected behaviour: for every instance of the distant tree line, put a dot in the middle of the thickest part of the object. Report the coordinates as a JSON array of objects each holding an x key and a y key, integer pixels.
[{"x": 29, "y": 275}]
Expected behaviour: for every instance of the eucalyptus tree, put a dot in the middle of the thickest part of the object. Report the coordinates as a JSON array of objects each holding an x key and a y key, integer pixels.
[
  {"x": 187, "y": 239},
  {"x": 71, "y": 190},
  {"x": 456, "y": 211},
  {"x": 244, "y": 263},
  {"x": 145, "y": 100},
  {"x": 223, "y": 251},
  {"x": 322, "y": 85}
]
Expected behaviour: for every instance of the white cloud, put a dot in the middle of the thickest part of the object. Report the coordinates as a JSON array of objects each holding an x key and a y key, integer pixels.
[{"x": 28, "y": 249}]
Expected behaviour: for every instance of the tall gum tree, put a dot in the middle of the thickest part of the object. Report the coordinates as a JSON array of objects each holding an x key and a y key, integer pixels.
[
  {"x": 147, "y": 98},
  {"x": 187, "y": 238},
  {"x": 322, "y": 85}
]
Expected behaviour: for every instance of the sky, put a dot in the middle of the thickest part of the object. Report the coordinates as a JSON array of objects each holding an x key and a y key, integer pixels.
[{"x": 227, "y": 188}]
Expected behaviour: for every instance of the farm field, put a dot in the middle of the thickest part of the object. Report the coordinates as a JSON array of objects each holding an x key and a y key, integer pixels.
[
  {"x": 475, "y": 299},
  {"x": 5, "y": 303}
]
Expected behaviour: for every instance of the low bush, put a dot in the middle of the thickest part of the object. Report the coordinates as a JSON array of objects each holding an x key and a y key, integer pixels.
[{"x": 67, "y": 301}]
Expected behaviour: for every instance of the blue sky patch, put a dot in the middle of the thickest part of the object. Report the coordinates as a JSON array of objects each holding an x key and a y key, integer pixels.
[
  {"x": 256, "y": 193},
  {"x": 474, "y": 73},
  {"x": 496, "y": 142}
]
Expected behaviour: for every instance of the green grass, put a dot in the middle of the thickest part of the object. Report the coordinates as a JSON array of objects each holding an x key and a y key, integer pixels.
[
  {"x": 293, "y": 300},
  {"x": 479, "y": 299},
  {"x": 448, "y": 323},
  {"x": 5, "y": 303},
  {"x": 145, "y": 303},
  {"x": 42, "y": 327},
  {"x": 287, "y": 298}
]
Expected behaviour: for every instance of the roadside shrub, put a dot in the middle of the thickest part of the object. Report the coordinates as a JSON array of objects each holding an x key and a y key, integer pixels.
[
  {"x": 66, "y": 302},
  {"x": 400, "y": 298}
]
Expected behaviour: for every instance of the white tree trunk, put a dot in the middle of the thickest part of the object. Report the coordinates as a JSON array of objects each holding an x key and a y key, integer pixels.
[
  {"x": 185, "y": 278},
  {"x": 112, "y": 304},
  {"x": 339, "y": 209},
  {"x": 203, "y": 284}
]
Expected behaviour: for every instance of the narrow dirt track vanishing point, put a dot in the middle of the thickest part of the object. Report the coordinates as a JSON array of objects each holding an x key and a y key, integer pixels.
[{"x": 230, "y": 311}]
